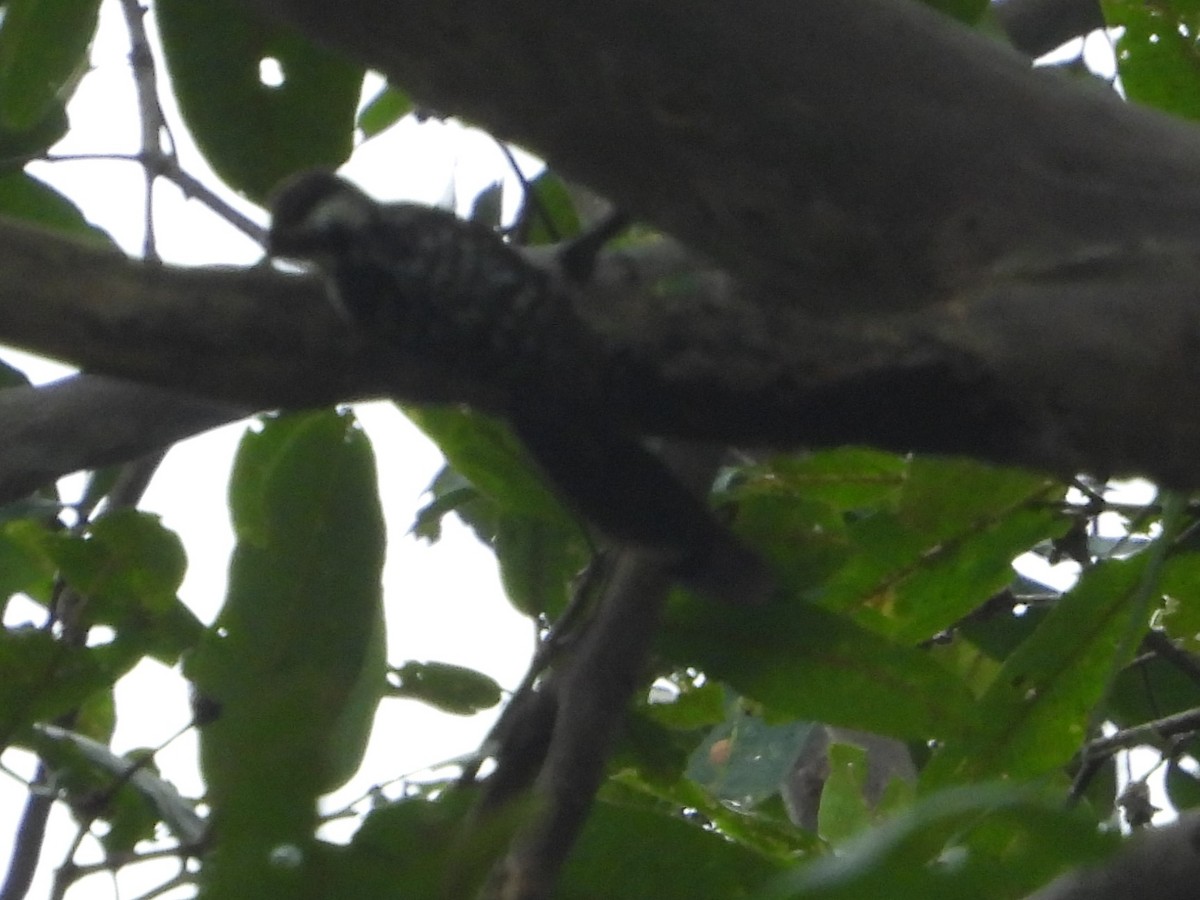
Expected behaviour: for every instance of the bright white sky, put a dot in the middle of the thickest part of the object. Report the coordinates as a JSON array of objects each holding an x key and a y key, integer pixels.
[{"x": 444, "y": 602}]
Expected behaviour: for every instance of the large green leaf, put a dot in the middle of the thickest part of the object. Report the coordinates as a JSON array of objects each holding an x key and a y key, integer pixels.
[
  {"x": 295, "y": 664},
  {"x": 254, "y": 134},
  {"x": 804, "y": 662},
  {"x": 128, "y": 561},
  {"x": 947, "y": 547},
  {"x": 745, "y": 760},
  {"x": 1036, "y": 713},
  {"x": 906, "y": 547},
  {"x": 539, "y": 561},
  {"x": 43, "y": 50}
]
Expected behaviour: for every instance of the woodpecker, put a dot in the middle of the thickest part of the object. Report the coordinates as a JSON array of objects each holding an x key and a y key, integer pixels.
[
  {"x": 455, "y": 294},
  {"x": 418, "y": 277}
]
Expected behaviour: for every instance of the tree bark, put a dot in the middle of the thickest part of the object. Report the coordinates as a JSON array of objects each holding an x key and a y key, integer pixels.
[
  {"x": 872, "y": 164},
  {"x": 904, "y": 265},
  {"x": 1038, "y": 26}
]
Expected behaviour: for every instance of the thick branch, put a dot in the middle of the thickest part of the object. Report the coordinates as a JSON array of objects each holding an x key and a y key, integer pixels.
[
  {"x": 85, "y": 422},
  {"x": 843, "y": 156},
  {"x": 248, "y": 337},
  {"x": 1046, "y": 367},
  {"x": 592, "y": 687}
]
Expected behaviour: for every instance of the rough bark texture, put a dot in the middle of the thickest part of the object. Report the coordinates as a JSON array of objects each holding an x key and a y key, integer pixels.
[
  {"x": 85, "y": 422},
  {"x": 861, "y": 159}
]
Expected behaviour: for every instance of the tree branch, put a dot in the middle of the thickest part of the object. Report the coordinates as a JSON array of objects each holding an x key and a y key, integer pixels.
[
  {"x": 1053, "y": 369},
  {"x": 591, "y": 688},
  {"x": 833, "y": 154},
  {"x": 1006, "y": 252},
  {"x": 84, "y": 422},
  {"x": 1038, "y": 26}
]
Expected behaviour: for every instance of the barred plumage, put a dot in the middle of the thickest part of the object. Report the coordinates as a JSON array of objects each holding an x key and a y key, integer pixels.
[{"x": 422, "y": 278}]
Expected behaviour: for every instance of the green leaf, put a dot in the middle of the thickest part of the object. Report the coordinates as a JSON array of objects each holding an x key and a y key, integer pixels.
[
  {"x": 906, "y": 547},
  {"x": 804, "y": 662},
  {"x": 844, "y": 811},
  {"x": 485, "y": 452},
  {"x": 946, "y": 548},
  {"x": 1151, "y": 689},
  {"x": 847, "y": 479},
  {"x": 295, "y": 663},
  {"x": 695, "y": 707},
  {"x": 899, "y": 859},
  {"x": 26, "y": 198},
  {"x": 641, "y": 854},
  {"x": 255, "y": 134},
  {"x": 745, "y": 760},
  {"x": 450, "y": 688},
  {"x": 26, "y": 565},
  {"x": 95, "y": 783},
  {"x": 41, "y": 678},
  {"x": 1158, "y": 59},
  {"x": 127, "y": 564},
  {"x": 129, "y": 567},
  {"x": 1181, "y": 587},
  {"x": 453, "y": 859},
  {"x": 549, "y": 214},
  {"x": 38, "y": 137},
  {"x": 539, "y": 561},
  {"x": 43, "y": 51},
  {"x": 764, "y": 829},
  {"x": 1036, "y": 713},
  {"x": 386, "y": 108},
  {"x": 132, "y": 821}
]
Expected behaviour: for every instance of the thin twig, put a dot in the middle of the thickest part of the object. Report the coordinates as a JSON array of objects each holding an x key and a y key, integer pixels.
[
  {"x": 150, "y": 114},
  {"x": 168, "y": 167},
  {"x": 134, "y": 478},
  {"x": 1146, "y": 733}
]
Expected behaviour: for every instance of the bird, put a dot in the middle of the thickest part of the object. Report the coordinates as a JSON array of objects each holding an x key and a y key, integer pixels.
[{"x": 426, "y": 281}]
